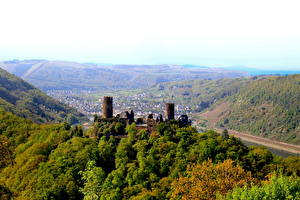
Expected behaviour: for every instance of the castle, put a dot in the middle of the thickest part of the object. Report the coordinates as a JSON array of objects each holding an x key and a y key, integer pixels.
[{"x": 148, "y": 123}]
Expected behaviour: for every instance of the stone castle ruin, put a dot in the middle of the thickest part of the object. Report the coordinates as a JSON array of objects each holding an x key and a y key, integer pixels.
[{"x": 148, "y": 123}]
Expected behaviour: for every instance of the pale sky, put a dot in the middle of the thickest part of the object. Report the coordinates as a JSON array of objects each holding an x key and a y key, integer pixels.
[{"x": 254, "y": 33}]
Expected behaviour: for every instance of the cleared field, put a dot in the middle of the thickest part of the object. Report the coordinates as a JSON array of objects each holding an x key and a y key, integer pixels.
[{"x": 213, "y": 116}]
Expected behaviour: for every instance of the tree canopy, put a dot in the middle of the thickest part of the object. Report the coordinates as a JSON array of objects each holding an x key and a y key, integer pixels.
[{"x": 57, "y": 161}]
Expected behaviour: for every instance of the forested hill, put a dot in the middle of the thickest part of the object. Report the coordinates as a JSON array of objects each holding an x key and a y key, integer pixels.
[
  {"x": 197, "y": 94},
  {"x": 269, "y": 107},
  {"x": 55, "y": 161},
  {"x": 23, "y": 99}
]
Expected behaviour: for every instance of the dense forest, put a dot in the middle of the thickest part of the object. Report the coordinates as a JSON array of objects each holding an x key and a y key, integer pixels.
[
  {"x": 120, "y": 161},
  {"x": 25, "y": 100}
]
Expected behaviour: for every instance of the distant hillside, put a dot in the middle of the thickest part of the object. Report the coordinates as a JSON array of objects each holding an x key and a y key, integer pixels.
[
  {"x": 255, "y": 72},
  {"x": 269, "y": 107},
  {"x": 23, "y": 99},
  {"x": 59, "y": 75},
  {"x": 197, "y": 94}
]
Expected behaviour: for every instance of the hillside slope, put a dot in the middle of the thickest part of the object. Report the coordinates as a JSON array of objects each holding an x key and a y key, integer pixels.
[
  {"x": 62, "y": 75},
  {"x": 268, "y": 107},
  {"x": 23, "y": 99},
  {"x": 197, "y": 94}
]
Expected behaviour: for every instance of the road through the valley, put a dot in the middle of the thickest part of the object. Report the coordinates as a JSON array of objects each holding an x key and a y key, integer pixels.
[{"x": 295, "y": 149}]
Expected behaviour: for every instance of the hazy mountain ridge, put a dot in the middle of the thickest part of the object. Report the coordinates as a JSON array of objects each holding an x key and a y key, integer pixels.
[
  {"x": 23, "y": 99},
  {"x": 255, "y": 72},
  {"x": 48, "y": 75}
]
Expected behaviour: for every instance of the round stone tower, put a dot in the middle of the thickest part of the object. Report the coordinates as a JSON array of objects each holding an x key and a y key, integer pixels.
[
  {"x": 170, "y": 113},
  {"x": 107, "y": 107}
]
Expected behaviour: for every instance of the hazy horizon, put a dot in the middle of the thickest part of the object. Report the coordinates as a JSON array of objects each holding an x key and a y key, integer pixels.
[{"x": 255, "y": 34}]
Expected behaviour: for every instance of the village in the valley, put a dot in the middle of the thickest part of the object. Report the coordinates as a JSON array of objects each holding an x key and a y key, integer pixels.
[{"x": 137, "y": 102}]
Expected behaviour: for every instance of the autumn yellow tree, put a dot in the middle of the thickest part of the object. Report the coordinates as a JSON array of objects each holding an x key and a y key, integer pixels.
[
  {"x": 5, "y": 152},
  {"x": 204, "y": 181}
]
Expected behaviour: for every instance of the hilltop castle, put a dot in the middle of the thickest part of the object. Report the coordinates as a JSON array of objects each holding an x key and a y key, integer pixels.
[{"x": 148, "y": 123}]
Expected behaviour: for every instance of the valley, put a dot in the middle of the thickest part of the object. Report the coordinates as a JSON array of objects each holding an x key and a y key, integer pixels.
[
  {"x": 270, "y": 144},
  {"x": 263, "y": 105},
  {"x": 257, "y": 105},
  {"x": 51, "y": 152},
  {"x": 149, "y": 100}
]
